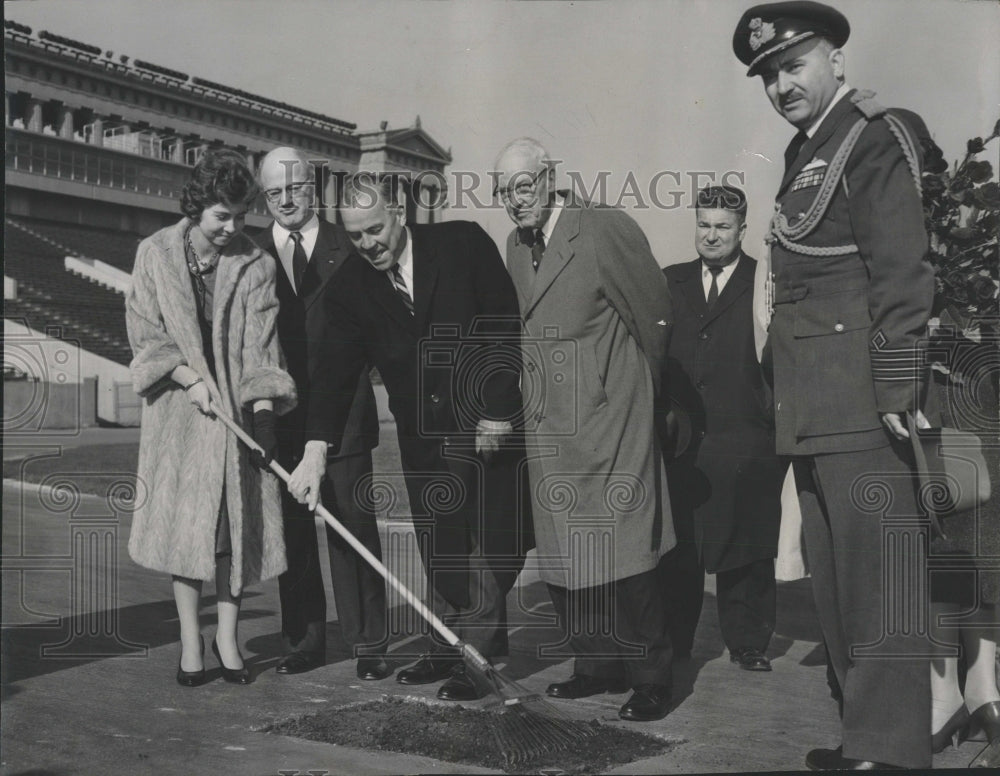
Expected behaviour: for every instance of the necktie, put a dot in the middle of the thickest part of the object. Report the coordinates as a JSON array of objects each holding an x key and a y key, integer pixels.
[
  {"x": 400, "y": 284},
  {"x": 713, "y": 290},
  {"x": 299, "y": 262},
  {"x": 534, "y": 239}
]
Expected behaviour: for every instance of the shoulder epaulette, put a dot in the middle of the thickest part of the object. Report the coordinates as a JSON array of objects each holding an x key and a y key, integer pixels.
[
  {"x": 864, "y": 101},
  {"x": 791, "y": 236}
]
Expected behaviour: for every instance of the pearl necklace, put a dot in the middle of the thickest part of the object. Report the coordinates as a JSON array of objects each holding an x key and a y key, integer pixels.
[{"x": 196, "y": 264}]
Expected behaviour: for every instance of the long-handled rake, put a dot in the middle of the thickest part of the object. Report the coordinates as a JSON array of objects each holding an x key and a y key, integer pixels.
[{"x": 527, "y": 726}]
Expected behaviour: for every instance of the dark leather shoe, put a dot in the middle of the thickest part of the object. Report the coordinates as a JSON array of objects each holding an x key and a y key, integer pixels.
[
  {"x": 834, "y": 760},
  {"x": 987, "y": 718},
  {"x": 192, "y": 678},
  {"x": 648, "y": 702},
  {"x": 459, "y": 687},
  {"x": 750, "y": 659},
  {"x": 953, "y": 732},
  {"x": 231, "y": 675},
  {"x": 583, "y": 686},
  {"x": 430, "y": 668},
  {"x": 372, "y": 668},
  {"x": 300, "y": 662}
]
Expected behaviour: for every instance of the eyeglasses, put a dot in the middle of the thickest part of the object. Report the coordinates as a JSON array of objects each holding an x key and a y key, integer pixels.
[
  {"x": 520, "y": 186},
  {"x": 294, "y": 190}
]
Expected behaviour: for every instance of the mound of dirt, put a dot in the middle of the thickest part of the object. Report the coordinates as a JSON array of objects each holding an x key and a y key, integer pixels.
[{"x": 474, "y": 736}]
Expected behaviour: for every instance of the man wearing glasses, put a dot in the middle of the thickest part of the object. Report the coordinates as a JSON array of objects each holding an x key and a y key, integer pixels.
[
  {"x": 310, "y": 253},
  {"x": 597, "y": 315}
]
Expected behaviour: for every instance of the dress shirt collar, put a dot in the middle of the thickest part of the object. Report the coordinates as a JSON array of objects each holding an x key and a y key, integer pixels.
[
  {"x": 283, "y": 237},
  {"x": 723, "y": 278},
  {"x": 550, "y": 223},
  {"x": 837, "y": 97}
]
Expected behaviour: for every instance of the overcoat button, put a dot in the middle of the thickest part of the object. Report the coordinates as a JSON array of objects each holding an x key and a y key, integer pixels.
[
  {"x": 838, "y": 327},
  {"x": 435, "y": 398},
  {"x": 703, "y": 335}
]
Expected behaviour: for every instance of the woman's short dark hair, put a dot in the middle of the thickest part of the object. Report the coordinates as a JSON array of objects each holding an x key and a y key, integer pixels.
[{"x": 221, "y": 175}]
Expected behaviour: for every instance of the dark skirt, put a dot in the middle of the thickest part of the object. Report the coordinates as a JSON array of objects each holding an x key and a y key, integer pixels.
[
  {"x": 223, "y": 538},
  {"x": 960, "y": 561}
]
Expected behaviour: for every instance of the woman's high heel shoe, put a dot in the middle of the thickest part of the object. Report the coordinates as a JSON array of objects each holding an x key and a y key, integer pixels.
[
  {"x": 231, "y": 675},
  {"x": 987, "y": 718},
  {"x": 953, "y": 732},
  {"x": 192, "y": 678}
]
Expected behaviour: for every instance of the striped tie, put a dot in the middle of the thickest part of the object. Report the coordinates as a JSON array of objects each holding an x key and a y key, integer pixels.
[{"x": 400, "y": 284}]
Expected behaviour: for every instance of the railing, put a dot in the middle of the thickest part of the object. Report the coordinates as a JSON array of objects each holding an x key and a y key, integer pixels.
[{"x": 75, "y": 161}]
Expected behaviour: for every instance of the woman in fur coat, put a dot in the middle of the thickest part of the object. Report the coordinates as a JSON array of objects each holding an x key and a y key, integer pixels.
[{"x": 201, "y": 317}]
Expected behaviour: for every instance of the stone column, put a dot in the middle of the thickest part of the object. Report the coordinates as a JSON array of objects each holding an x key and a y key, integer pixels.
[
  {"x": 33, "y": 115},
  {"x": 64, "y": 127},
  {"x": 97, "y": 131}
]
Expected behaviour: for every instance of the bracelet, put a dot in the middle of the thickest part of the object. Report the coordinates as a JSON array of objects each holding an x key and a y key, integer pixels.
[{"x": 192, "y": 385}]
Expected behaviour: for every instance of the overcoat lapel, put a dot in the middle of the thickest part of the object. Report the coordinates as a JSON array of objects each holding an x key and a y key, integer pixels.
[
  {"x": 557, "y": 254},
  {"x": 841, "y": 111},
  {"x": 740, "y": 282},
  {"x": 519, "y": 266},
  {"x": 689, "y": 284}
]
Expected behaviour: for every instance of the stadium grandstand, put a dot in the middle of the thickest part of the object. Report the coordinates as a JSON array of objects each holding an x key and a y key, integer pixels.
[{"x": 98, "y": 146}]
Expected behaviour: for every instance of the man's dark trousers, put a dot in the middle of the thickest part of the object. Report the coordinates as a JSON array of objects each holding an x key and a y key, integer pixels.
[
  {"x": 355, "y": 583},
  {"x": 608, "y": 646},
  {"x": 849, "y": 503}
]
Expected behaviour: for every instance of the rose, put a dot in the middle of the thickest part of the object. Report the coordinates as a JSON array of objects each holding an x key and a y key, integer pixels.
[
  {"x": 975, "y": 145},
  {"x": 982, "y": 289},
  {"x": 979, "y": 172},
  {"x": 955, "y": 287},
  {"x": 987, "y": 195}
]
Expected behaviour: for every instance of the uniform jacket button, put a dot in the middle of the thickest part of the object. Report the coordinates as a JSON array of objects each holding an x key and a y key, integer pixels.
[
  {"x": 703, "y": 335},
  {"x": 838, "y": 327},
  {"x": 435, "y": 398}
]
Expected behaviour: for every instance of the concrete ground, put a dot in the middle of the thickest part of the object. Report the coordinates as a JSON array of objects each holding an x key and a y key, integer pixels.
[{"x": 90, "y": 650}]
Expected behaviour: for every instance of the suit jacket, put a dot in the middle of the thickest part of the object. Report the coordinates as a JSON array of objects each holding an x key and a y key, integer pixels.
[
  {"x": 728, "y": 482},
  {"x": 453, "y": 362},
  {"x": 846, "y": 329},
  {"x": 301, "y": 326},
  {"x": 597, "y": 319}
]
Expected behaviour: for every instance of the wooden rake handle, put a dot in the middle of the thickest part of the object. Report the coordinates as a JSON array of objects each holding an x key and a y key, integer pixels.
[{"x": 468, "y": 651}]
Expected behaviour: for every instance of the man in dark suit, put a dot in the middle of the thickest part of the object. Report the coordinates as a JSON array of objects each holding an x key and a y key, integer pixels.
[
  {"x": 597, "y": 314},
  {"x": 851, "y": 296},
  {"x": 432, "y": 307},
  {"x": 310, "y": 254},
  {"x": 725, "y": 489}
]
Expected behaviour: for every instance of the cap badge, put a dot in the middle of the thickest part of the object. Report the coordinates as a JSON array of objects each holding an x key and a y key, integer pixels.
[{"x": 760, "y": 32}]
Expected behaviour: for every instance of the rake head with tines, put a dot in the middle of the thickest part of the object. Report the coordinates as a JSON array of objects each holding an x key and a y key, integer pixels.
[{"x": 526, "y": 725}]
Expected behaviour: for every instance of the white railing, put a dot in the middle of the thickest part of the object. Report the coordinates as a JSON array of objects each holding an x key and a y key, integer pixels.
[{"x": 99, "y": 272}]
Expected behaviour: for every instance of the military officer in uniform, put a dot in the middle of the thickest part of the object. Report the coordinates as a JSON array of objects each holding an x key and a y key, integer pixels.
[{"x": 851, "y": 295}]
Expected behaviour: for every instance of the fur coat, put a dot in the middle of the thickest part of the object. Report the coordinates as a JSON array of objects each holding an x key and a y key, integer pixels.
[{"x": 187, "y": 460}]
